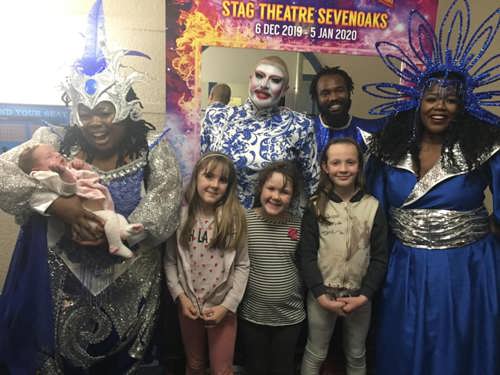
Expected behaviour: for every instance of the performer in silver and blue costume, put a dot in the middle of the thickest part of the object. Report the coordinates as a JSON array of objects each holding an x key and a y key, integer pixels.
[
  {"x": 68, "y": 307},
  {"x": 440, "y": 306},
  {"x": 260, "y": 131}
]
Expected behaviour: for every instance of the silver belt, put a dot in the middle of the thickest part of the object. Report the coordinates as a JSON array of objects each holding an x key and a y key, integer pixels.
[{"x": 439, "y": 229}]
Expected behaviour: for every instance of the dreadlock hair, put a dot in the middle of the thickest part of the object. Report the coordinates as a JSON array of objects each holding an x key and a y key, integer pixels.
[
  {"x": 325, "y": 187},
  {"x": 330, "y": 71}
]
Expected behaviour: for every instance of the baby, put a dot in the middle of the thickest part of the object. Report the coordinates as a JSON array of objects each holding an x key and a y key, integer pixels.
[{"x": 64, "y": 178}]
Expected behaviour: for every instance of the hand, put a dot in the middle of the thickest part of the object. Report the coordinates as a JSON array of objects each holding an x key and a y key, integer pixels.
[
  {"x": 214, "y": 315},
  {"x": 57, "y": 166},
  {"x": 87, "y": 228},
  {"x": 352, "y": 303},
  {"x": 77, "y": 164},
  {"x": 62, "y": 171},
  {"x": 331, "y": 304},
  {"x": 187, "y": 307}
]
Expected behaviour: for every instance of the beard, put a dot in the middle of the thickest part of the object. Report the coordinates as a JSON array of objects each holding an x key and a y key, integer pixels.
[{"x": 336, "y": 119}]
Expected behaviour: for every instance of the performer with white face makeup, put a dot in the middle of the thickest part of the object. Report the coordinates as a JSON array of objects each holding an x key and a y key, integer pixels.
[
  {"x": 260, "y": 131},
  {"x": 268, "y": 83}
]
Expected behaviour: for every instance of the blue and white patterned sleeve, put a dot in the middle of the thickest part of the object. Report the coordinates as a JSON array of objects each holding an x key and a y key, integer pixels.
[
  {"x": 211, "y": 128},
  {"x": 205, "y": 134},
  {"x": 307, "y": 156}
]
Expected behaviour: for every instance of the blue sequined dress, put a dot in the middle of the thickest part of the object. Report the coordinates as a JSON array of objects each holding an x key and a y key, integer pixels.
[
  {"x": 439, "y": 308},
  {"x": 101, "y": 309}
]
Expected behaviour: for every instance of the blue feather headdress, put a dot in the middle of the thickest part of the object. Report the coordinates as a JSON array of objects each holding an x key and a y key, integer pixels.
[
  {"x": 96, "y": 76},
  {"x": 452, "y": 51}
]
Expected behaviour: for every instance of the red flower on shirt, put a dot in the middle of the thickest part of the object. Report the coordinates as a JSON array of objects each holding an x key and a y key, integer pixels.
[{"x": 293, "y": 233}]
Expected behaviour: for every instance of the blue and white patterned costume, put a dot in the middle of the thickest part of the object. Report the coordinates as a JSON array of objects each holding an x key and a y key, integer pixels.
[
  {"x": 254, "y": 138},
  {"x": 353, "y": 129}
]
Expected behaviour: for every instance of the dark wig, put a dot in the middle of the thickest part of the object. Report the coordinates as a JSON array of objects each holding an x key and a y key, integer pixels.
[
  {"x": 403, "y": 134},
  {"x": 134, "y": 142},
  {"x": 330, "y": 71}
]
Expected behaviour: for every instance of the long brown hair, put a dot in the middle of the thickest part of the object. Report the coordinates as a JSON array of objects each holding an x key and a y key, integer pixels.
[
  {"x": 230, "y": 222},
  {"x": 325, "y": 186}
]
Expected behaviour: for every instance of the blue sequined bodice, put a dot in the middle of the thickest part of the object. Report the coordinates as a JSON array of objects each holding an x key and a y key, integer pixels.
[{"x": 126, "y": 191}]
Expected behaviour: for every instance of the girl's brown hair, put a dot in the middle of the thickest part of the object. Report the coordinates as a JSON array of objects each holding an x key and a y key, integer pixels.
[
  {"x": 230, "y": 222},
  {"x": 325, "y": 187},
  {"x": 288, "y": 170}
]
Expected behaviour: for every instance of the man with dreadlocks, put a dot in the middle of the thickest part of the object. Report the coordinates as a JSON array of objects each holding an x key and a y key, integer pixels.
[
  {"x": 331, "y": 90},
  {"x": 69, "y": 306},
  {"x": 440, "y": 306}
]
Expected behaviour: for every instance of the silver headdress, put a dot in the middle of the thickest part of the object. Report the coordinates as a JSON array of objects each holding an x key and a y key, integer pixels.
[
  {"x": 97, "y": 76},
  {"x": 450, "y": 52}
]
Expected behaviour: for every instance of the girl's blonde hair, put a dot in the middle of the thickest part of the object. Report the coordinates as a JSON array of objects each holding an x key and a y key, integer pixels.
[
  {"x": 325, "y": 186},
  {"x": 230, "y": 223}
]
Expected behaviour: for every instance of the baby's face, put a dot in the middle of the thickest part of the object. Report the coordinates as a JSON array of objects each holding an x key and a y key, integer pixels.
[{"x": 46, "y": 156}]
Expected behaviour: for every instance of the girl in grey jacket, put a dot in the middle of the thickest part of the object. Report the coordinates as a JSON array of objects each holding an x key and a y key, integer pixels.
[{"x": 342, "y": 256}]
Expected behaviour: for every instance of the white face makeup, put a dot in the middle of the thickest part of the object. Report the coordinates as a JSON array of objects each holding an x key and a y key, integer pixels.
[{"x": 267, "y": 86}]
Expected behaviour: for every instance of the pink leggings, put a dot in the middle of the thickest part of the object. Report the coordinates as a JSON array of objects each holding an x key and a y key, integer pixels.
[{"x": 221, "y": 339}]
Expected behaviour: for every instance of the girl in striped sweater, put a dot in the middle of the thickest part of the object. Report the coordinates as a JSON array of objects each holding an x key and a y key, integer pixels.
[{"x": 272, "y": 310}]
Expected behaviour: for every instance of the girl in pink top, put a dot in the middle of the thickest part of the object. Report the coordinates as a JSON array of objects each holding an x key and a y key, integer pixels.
[{"x": 208, "y": 270}]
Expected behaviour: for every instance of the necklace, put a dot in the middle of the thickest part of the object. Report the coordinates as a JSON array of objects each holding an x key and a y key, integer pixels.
[{"x": 327, "y": 132}]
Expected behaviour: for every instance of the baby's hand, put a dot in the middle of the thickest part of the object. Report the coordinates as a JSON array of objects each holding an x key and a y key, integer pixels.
[
  {"x": 77, "y": 164},
  {"x": 57, "y": 166}
]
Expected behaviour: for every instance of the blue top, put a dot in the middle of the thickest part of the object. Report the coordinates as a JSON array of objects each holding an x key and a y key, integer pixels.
[{"x": 351, "y": 130}]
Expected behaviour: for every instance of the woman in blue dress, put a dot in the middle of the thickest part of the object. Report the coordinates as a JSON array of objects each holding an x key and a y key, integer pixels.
[
  {"x": 440, "y": 306},
  {"x": 439, "y": 311},
  {"x": 69, "y": 307}
]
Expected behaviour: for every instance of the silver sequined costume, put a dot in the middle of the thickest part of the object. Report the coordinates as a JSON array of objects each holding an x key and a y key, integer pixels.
[{"x": 104, "y": 304}]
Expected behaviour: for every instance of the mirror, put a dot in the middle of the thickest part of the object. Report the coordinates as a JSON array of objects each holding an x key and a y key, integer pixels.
[{"x": 234, "y": 65}]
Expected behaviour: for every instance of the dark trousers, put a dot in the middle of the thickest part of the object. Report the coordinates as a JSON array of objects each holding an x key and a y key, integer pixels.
[{"x": 269, "y": 350}]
